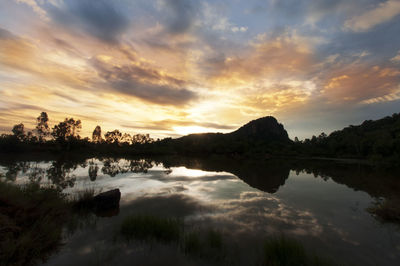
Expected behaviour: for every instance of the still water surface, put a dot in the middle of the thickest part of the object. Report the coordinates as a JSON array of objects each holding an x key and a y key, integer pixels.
[{"x": 321, "y": 204}]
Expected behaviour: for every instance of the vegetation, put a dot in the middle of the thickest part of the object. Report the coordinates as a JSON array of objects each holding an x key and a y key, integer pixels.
[
  {"x": 147, "y": 227},
  {"x": 375, "y": 140},
  {"x": 209, "y": 245},
  {"x": 378, "y": 141},
  {"x": 387, "y": 210},
  {"x": 30, "y": 215},
  {"x": 32, "y": 219},
  {"x": 203, "y": 244},
  {"x": 282, "y": 251},
  {"x": 82, "y": 201}
]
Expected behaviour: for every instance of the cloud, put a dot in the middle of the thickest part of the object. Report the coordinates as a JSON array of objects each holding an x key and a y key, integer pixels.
[
  {"x": 20, "y": 52},
  {"x": 143, "y": 82},
  {"x": 100, "y": 18},
  {"x": 36, "y": 8},
  {"x": 396, "y": 58},
  {"x": 239, "y": 29},
  {"x": 283, "y": 56},
  {"x": 168, "y": 124},
  {"x": 6, "y": 35},
  {"x": 179, "y": 16},
  {"x": 360, "y": 82},
  {"x": 383, "y": 12},
  {"x": 275, "y": 97}
]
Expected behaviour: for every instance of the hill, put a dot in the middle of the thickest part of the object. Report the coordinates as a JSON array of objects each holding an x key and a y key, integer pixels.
[
  {"x": 264, "y": 137},
  {"x": 261, "y": 135},
  {"x": 379, "y": 139}
]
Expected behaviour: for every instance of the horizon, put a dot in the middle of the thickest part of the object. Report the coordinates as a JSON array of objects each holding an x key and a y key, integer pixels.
[{"x": 172, "y": 67}]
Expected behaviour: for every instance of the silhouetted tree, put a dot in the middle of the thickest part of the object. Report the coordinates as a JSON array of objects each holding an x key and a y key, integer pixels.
[
  {"x": 42, "y": 127},
  {"x": 30, "y": 137},
  {"x": 96, "y": 135},
  {"x": 66, "y": 130},
  {"x": 113, "y": 136},
  {"x": 18, "y": 131},
  {"x": 126, "y": 138},
  {"x": 141, "y": 138},
  {"x": 93, "y": 168}
]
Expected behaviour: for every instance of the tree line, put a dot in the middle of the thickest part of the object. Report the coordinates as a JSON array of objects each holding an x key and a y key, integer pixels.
[
  {"x": 68, "y": 131},
  {"x": 377, "y": 140}
]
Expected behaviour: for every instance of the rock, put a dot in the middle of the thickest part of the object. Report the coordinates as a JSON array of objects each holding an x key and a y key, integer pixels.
[
  {"x": 265, "y": 128},
  {"x": 108, "y": 200}
]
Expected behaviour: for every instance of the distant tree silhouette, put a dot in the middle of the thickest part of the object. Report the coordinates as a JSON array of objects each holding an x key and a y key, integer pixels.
[
  {"x": 18, "y": 131},
  {"x": 66, "y": 130},
  {"x": 126, "y": 138},
  {"x": 42, "y": 127},
  {"x": 113, "y": 136},
  {"x": 92, "y": 171},
  {"x": 96, "y": 135},
  {"x": 141, "y": 139}
]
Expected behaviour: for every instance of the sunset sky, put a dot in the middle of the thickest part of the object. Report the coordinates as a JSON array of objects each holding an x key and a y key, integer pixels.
[{"x": 172, "y": 67}]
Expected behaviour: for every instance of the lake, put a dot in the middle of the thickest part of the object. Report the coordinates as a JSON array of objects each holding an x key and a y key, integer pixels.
[{"x": 322, "y": 204}]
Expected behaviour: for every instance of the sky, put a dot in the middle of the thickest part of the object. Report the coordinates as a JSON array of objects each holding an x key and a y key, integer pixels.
[{"x": 173, "y": 67}]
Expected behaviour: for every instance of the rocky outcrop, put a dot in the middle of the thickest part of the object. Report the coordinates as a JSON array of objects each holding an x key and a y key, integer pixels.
[{"x": 265, "y": 128}]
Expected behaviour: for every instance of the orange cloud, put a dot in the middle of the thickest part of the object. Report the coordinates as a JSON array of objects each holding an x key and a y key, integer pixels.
[
  {"x": 383, "y": 12},
  {"x": 359, "y": 83},
  {"x": 279, "y": 58}
]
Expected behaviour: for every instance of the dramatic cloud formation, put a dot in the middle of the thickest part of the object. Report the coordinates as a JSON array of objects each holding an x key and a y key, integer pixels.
[
  {"x": 383, "y": 12},
  {"x": 98, "y": 18},
  {"x": 172, "y": 67}
]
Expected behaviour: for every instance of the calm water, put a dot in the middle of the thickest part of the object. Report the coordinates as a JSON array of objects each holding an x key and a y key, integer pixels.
[{"x": 322, "y": 204}]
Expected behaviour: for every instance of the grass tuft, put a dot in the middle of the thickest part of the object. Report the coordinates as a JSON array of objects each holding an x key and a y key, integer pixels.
[
  {"x": 31, "y": 221},
  {"x": 387, "y": 210},
  {"x": 282, "y": 251},
  {"x": 204, "y": 244},
  {"x": 148, "y": 227},
  {"x": 83, "y": 200}
]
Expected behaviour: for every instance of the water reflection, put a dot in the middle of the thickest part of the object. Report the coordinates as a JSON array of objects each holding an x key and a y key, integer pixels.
[
  {"x": 321, "y": 203},
  {"x": 266, "y": 175}
]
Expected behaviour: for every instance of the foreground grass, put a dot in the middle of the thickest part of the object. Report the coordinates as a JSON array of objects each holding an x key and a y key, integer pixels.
[
  {"x": 31, "y": 222},
  {"x": 148, "y": 227},
  {"x": 82, "y": 201},
  {"x": 32, "y": 219},
  {"x": 209, "y": 245},
  {"x": 283, "y": 251},
  {"x": 387, "y": 210}
]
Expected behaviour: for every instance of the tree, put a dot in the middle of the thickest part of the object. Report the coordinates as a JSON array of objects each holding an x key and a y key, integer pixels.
[
  {"x": 126, "y": 138},
  {"x": 113, "y": 136},
  {"x": 141, "y": 139},
  {"x": 93, "y": 168},
  {"x": 96, "y": 135},
  {"x": 66, "y": 130},
  {"x": 42, "y": 127},
  {"x": 18, "y": 131}
]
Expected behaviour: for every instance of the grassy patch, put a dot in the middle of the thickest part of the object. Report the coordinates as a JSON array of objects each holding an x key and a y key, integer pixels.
[
  {"x": 83, "y": 200},
  {"x": 147, "y": 227},
  {"x": 282, "y": 251},
  {"x": 204, "y": 244},
  {"x": 387, "y": 210},
  {"x": 31, "y": 221}
]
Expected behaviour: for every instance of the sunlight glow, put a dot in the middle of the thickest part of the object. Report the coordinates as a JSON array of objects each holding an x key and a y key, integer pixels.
[{"x": 185, "y": 130}]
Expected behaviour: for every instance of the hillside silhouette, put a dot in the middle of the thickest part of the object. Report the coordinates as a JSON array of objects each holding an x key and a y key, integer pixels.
[{"x": 262, "y": 138}]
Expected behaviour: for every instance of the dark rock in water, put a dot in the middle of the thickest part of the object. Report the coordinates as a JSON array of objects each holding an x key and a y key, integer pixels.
[{"x": 107, "y": 200}]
